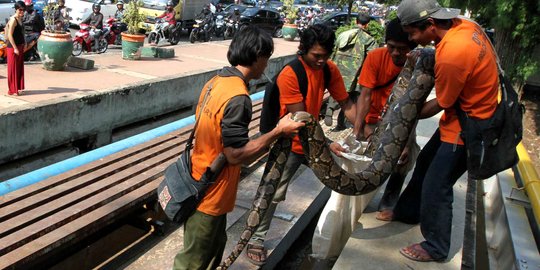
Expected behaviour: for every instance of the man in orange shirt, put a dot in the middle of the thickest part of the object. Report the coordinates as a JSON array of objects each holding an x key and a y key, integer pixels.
[
  {"x": 223, "y": 128},
  {"x": 316, "y": 45},
  {"x": 465, "y": 76},
  {"x": 379, "y": 72}
]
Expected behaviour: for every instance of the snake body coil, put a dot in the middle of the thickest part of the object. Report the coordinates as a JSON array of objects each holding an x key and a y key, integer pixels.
[{"x": 389, "y": 139}]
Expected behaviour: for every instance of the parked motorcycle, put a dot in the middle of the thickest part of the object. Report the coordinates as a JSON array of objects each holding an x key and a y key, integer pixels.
[
  {"x": 230, "y": 29},
  {"x": 219, "y": 26},
  {"x": 3, "y": 49},
  {"x": 201, "y": 31},
  {"x": 83, "y": 41},
  {"x": 159, "y": 33},
  {"x": 114, "y": 31},
  {"x": 301, "y": 24}
]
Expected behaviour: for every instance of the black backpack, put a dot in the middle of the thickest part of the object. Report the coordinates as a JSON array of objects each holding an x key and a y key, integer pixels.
[
  {"x": 491, "y": 143},
  {"x": 271, "y": 106}
]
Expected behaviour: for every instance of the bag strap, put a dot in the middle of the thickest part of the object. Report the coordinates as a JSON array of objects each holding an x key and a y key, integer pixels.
[
  {"x": 301, "y": 75},
  {"x": 189, "y": 143}
]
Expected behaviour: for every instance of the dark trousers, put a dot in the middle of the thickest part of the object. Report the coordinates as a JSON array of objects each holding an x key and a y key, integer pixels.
[
  {"x": 204, "y": 242},
  {"x": 429, "y": 195},
  {"x": 391, "y": 193}
]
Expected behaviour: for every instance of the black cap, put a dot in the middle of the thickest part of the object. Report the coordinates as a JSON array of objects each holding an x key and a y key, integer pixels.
[{"x": 410, "y": 11}]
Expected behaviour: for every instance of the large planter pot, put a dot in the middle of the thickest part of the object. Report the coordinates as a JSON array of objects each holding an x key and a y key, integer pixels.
[
  {"x": 54, "y": 49},
  {"x": 289, "y": 31},
  {"x": 130, "y": 46}
]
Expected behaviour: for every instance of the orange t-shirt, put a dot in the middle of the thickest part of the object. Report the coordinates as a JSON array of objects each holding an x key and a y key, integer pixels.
[
  {"x": 289, "y": 91},
  {"x": 378, "y": 70},
  {"x": 465, "y": 71},
  {"x": 221, "y": 196}
]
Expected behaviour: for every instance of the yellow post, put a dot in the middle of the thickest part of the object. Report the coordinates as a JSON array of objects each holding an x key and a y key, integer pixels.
[{"x": 530, "y": 179}]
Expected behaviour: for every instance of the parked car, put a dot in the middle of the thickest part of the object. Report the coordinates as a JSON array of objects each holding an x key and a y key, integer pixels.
[
  {"x": 6, "y": 10},
  {"x": 265, "y": 18},
  {"x": 337, "y": 19},
  {"x": 230, "y": 9},
  {"x": 81, "y": 9},
  {"x": 278, "y": 5}
]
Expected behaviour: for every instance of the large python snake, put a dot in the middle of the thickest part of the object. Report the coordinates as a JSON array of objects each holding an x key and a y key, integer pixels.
[{"x": 388, "y": 141}]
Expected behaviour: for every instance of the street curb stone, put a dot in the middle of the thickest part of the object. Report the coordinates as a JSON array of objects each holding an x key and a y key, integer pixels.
[
  {"x": 149, "y": 51},
  {"x": 81, "y": 63}
]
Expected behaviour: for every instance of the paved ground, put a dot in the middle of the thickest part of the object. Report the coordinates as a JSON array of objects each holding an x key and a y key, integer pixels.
[{"x": 112, "y": 71}]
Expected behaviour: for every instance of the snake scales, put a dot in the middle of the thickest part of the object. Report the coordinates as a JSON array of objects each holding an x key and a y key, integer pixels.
[{"x": 388, "y": 141}]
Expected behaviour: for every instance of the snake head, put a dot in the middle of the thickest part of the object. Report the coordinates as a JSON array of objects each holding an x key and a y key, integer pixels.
[{"x": 302, "y": 116}]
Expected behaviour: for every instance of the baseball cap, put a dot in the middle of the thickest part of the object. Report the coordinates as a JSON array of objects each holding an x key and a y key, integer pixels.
[{"x": 410, "y": 11}]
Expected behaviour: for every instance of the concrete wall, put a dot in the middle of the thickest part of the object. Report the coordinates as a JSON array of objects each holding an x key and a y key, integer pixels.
[{"x": 39, "y": 127}]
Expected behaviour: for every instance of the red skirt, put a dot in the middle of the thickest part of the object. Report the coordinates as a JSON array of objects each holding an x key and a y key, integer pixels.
[{"x": 15, "y": 70}]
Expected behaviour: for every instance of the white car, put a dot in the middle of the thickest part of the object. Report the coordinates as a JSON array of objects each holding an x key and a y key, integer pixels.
[
  {"x": 6, "y": 10},
  {"x": 81, "y": 9}
]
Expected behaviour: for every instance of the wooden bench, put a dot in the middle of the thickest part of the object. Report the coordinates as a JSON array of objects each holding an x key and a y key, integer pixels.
[{"x": 62, "y": 210}]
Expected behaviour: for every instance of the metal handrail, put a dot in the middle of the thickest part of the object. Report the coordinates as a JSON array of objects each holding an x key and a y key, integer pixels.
[{"x": 531, "y": 181}]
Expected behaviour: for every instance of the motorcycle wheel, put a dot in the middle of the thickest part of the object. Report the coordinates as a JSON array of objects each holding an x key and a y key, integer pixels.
[
  {"x": 226, "y": 34},
  {"x": 77, "y": 48},
  {"x": 175, "y": 37},
  {"x": 278, "y": 33},
  {"x": 153, "y": 38},
  {"x": 103, "y": 46},
  {"x": 193, "y": 36}
]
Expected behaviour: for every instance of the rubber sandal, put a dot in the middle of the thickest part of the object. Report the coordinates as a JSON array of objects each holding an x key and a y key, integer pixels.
[
  {"x": 256, "y": 251},
  {"x": 385, "y": 215},
  {"x": 417, "y": 253}
]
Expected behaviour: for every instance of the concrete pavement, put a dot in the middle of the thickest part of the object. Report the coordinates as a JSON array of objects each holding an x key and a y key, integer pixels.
[{"x": 111, "y": 71}]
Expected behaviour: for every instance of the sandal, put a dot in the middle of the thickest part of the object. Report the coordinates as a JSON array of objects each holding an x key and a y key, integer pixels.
[
  {"x": 385, "y": 215},
  {"x": 256, "y": 254},
  {"x": 417, "y": 253}
]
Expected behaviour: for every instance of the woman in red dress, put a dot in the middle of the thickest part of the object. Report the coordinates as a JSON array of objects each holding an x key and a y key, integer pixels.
[{"x": 15, "y": 50}]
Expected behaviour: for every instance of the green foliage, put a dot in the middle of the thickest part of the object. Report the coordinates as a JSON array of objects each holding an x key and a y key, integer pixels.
[
  {"x": 133, "y": 17},
  {"x": 391, "y": 15},
  {"x": 290, "y": 11},
  {"x": 376, "y": 30},
  {"x": 48, "y": 16}
]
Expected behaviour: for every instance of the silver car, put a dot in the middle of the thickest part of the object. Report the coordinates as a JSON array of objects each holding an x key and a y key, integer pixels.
[
  {"x": 81, "y": 9},
  {"x": 6, "y": 10}
]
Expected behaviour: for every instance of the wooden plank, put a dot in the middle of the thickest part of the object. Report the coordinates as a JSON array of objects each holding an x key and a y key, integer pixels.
[
  {"x": 21, "y": 248},
  {"x": 93, "y": 196},
  {"x": 77, "y": 228},
  {"x": 41, "y": 186},
  {"x": 16, "y": 225},
  {"x": 62, "y": 196}
]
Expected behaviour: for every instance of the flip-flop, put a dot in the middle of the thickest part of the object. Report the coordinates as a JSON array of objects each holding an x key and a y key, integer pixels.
[
  {"x": 417, "y": 253},
  {"x": 256, "y": 250},
  {"x": 385, "y": 215}
]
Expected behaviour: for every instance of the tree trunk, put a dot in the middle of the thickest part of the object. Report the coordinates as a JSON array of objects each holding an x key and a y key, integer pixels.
[{"x": 508, "y": 49}]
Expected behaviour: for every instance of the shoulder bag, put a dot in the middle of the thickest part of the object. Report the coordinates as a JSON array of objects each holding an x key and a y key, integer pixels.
[{"x": 179, "y": 193}]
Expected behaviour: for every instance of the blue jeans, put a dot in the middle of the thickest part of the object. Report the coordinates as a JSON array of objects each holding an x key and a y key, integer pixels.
[{"x": 429, "y": 195}]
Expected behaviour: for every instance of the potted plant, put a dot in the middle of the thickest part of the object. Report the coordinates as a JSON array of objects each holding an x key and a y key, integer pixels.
[
  {"x": 290, "y": 29},
  {"x": 132, "y": 39},
  {"x": 54, "y": 43}
]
